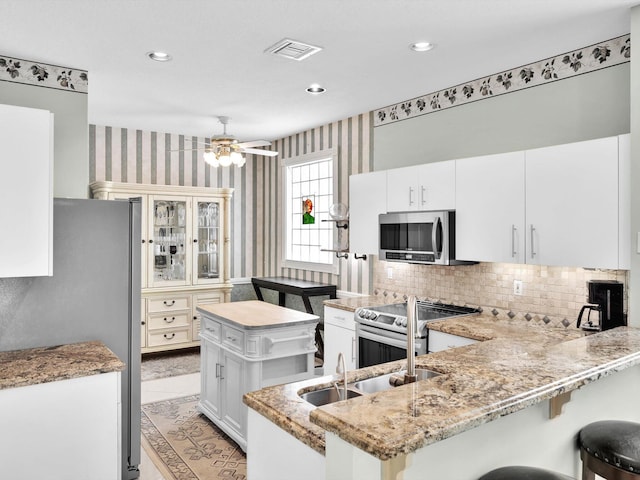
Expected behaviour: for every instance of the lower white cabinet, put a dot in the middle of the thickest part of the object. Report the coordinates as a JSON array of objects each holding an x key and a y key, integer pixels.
[
  {"x": 339, "y": 337},
  {"x": 439, "y": 341},
  {"x": 237, "y": 359},
  {"x": 62, "y": 429}
]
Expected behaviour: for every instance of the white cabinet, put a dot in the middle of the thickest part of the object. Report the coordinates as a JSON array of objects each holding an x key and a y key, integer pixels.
[
  {"x": 572, "y": 204},
  {"x": 339, "y": 337},
  {"x": 240, "y": 358},
  {"x": 26, "y": 192},
  {"x": 425, "y": 187},
  {"x": 557, "y": 205},
  {"x": 185, "y": 257},
  {"x": 367, "y": 200},
  {"x": 439, "y": 341},
  {"x": 490, "y": 208}
]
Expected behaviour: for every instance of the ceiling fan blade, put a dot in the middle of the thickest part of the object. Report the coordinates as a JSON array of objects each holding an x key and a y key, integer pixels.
[
  {"x": 255, "y": 143},
  {"x": 257, "y": 151}
]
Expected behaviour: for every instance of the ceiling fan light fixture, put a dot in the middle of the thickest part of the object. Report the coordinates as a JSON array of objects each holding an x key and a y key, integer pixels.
[
  {"x": 211, "y": 159},
  {"x": 159, "y": 56},
  {"x": 237, "y": 159},
  {"x": 421, "y": 46},
  {"x": 315, "y": 89}
]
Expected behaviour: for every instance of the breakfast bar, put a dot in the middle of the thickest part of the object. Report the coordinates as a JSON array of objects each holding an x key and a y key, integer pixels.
[{"x": 518, "y": 396}]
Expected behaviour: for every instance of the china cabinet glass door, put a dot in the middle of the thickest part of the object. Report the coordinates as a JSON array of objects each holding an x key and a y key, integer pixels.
[
  {"x": 207, "y": 248},
  {"x": 168, "y": 219}
]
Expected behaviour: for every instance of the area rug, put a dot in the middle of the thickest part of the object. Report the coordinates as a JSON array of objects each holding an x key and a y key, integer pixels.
[
  {"x": 170, "y": 364},
  {"x": 185, "y": 445}
]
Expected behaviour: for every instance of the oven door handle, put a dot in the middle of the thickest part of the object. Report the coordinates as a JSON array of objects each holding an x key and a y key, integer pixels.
[{"x": 376, "y": 337}]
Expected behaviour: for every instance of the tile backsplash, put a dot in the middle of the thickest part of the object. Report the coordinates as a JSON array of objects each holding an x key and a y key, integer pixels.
[{"x": 550, "y": 295}]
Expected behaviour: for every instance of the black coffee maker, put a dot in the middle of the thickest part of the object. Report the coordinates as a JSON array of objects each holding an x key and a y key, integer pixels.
[{"x": 606, "y": 299}]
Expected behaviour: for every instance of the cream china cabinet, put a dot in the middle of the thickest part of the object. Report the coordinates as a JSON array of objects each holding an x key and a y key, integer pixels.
[{"x": 185, "y": 257}]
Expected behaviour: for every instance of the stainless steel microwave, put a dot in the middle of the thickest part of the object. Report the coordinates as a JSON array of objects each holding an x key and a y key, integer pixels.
[{"x": 419, "y": 237}]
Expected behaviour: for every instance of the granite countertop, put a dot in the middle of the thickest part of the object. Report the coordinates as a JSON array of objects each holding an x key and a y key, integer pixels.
[
  {"x": 20, "y": 368},
  {"x": 257, "y": 314},
  {"x": 350, "y": 304},
  {"x": 515, "y": 366}
]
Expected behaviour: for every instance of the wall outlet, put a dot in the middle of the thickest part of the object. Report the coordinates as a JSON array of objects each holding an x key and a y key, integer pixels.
[
  {"x": 389, "y": 272},
  {"x": 517, "y": 287}
]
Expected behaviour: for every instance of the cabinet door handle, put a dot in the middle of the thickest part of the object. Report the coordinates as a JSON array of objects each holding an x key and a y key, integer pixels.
[
  {"x": 195, "y": 240},
  {"x": 169, "y": 321},
  {"x": 151, "y": 240},
  {"x": 170, "y": 337},
  {"x": 424, "y": 189},
  {"x": 533, "y": 251},
  {"x": 143, "y": 240},
  {"x": 217, "y": 370},
  {"x": 167, "y": 304},
  {"x": 410, "y": 196},
  {"x": 513, "y": 240},
  {"x": 221, "y": 372}
]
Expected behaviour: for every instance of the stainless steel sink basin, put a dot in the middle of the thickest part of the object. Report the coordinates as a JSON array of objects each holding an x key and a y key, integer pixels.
[
  {"x": 326, "y": 396},
  {"x": 381, "y": 383}
]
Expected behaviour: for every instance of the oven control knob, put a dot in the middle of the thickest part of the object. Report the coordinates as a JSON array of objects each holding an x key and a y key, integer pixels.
[
  {"x": 362, "y": 313},
  {"x": 373, "y": 315},
  {"x": 398, "y": 322},
  {"x": 404, "y": 321}
]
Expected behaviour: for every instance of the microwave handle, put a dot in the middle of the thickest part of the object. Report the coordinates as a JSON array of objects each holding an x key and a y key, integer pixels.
[{"x": 437, "y": 249}]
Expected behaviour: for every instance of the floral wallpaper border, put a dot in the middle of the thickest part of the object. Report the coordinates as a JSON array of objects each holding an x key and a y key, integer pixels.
[
  {"x": 588, "y": 59},
  {"x": 43, "y": 75}
]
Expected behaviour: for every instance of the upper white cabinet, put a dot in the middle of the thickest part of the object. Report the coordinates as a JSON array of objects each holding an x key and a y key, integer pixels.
[
  {"x": 549, "y": 206},
  {"x": 26, "y": 192},
  {"x": 367, "y": 199},
  {"x": 490, "y": 208},
  {"x": 572, "y": 204},
  {"x": 425, "y": 187}
]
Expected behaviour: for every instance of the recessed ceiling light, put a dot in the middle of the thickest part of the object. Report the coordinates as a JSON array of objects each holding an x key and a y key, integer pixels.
[
  {"x": 315, "y": 89},
  {"x": 159, "y": 56},
  {"x": 421, "y": 46}
]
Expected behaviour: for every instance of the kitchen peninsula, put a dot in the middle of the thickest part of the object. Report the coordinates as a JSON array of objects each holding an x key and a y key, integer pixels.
[{"x": 517, "y": 397}]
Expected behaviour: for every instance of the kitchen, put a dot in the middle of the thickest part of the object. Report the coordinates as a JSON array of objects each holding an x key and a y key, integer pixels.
[{"x": 257, "y": 188}]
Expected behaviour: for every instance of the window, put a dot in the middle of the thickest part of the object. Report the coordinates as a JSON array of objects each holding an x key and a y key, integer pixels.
[{"x": 309, "y": 187}]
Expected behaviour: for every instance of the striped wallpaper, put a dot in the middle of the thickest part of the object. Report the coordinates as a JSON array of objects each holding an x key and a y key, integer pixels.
[{"x": 136, "y": 156}]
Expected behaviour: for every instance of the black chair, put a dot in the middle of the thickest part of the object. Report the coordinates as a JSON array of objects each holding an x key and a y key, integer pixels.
[
  {"x": 523, "y": 473},
  {"x": 611, "y": 449}
]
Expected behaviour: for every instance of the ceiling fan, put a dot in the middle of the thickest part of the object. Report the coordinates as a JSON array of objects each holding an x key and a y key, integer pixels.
[{"x": 225, "y": 150}]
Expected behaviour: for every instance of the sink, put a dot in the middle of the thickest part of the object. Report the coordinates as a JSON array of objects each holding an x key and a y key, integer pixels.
[
  {"x": 325, "y": 396},
  {"x": 381, "y": 383}
]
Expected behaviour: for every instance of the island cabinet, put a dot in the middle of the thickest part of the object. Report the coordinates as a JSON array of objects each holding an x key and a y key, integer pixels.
[
  {"x": 533, "y": 206},
  {"x": 185, "y": 257},
  {"x": 246, "y": 346},
  {"x": 425, "y": 187}
]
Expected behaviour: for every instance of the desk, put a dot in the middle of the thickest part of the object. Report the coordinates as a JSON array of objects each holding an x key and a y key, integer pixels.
[{"x": 302, "y": 288}]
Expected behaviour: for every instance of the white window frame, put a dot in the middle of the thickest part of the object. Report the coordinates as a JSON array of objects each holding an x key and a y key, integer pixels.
[{"x": 287, "y": 227}]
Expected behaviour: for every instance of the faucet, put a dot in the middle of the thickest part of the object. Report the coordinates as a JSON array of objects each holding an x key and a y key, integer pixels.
[
  {"x": 412, "y": 326},
  {"x": 341, "y": 369}
]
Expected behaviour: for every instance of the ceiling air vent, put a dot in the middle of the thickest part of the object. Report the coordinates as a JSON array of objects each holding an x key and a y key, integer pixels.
[{"x": 293, "y": 49}]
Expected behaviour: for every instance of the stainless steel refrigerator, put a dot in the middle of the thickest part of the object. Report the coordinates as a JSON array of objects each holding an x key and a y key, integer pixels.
[{"x": 94, "y": 294}]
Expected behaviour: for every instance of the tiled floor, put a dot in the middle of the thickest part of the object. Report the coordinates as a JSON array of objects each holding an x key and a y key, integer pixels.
[{"x": 163, "y": 389}]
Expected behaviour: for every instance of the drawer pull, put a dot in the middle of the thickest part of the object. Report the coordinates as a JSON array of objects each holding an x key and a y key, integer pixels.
[
  {"x": 170, "y": 337},
  {"x": 270, "y": 342},
  {"x": 233, "y": 339},
  {"x": 169, "y": 321},
  {"x": 167, "y": 304}
]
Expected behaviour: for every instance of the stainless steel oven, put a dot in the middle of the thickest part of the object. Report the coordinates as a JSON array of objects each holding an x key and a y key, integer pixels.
[{"x": 381, "y": 332}]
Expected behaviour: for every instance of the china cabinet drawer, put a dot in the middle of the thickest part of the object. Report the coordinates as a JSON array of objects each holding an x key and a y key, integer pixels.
[
  {"x": 234, "y": 339},
  {"x": 211, "y": 329},
  {"x": 168, "y": 304},
  {"x": 168, "y": 320},
  {"x": 164, "y": 337}
]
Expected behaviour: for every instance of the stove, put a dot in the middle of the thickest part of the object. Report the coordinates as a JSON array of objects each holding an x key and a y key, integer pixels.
[
  {"x": 381, "y": 332},
  {"x": 393, "y": 317}
]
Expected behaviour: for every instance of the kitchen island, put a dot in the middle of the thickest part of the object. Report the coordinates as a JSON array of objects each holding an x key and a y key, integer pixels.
[
  {"x": 519, "y": 396},
  {"x": 246, "y": 346}
]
